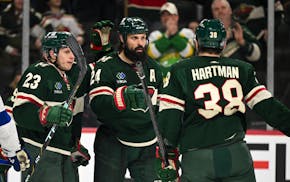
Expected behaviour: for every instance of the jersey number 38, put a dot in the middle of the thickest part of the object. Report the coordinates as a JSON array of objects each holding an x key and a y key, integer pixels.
[{"x": 211, "y": 105}]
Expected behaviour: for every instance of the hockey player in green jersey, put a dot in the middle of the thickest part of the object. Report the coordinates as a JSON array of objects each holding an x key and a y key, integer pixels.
[
  {"x": 126, "y": 138},
  {"x": 202, "y": 110},
  {"x": 41, "y": 93}
]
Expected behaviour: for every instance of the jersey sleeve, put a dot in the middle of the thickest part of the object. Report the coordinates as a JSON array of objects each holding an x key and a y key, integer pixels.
[
  {"x": 171, "y": 109},
  {"x": 269, "y": 108},
  {"x": 102, "y": 92},
  {"x": 30, "y": 97},
  {"x": 275, "y": 114},
  {"x": 158, "y": 44},
  {"x": 8, "y": 134},
  {"x": 254, "y": 91}
]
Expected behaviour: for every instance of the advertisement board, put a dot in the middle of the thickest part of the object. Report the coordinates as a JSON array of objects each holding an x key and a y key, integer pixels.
[{"x": 270, "y": 151}]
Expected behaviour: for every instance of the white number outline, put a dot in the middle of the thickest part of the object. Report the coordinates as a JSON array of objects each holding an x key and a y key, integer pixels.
[
  {"x": 212, "y": 108},
  {"x": 35, "y": 81},
  {"x": 213, "y": 35}
]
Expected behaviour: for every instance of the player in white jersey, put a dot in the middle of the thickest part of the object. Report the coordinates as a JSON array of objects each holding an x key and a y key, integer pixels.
[{"x": 10, "y": 145}]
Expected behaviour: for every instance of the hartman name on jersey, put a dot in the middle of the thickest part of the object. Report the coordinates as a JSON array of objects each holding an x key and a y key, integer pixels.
[{"x": 213, "y": 71}]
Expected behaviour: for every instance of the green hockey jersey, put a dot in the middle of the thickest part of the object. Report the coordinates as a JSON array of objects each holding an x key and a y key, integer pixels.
[
  {"x": 42, "y": 84},
  {"x": 133, "y": 128},
  {"x": 203, "y": 103}
]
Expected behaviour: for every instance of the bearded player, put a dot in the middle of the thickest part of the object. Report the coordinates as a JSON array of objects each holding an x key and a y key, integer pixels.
[{"x": 126, "y": 138}]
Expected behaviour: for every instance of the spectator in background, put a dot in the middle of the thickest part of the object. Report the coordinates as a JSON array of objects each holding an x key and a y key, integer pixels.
[
  {"x": 241, "y": 42},
  {"x": 11, "y": 39},
  {"x": 9, "y": 89},
  {"x": 56, "y": 19},
  {"x": 171, "y": 44},
  {"x": 193, "y": 25},
  {"x": 286, "y": 7}
]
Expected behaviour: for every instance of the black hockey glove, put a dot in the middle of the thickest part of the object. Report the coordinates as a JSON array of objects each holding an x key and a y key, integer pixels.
[
  {"x": 100, "y": 36},
  {"x": 80, "y": 155}
]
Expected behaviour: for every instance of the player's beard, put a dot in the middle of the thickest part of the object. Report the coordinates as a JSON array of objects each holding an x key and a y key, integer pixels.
[{"x": 134, "y": 55}]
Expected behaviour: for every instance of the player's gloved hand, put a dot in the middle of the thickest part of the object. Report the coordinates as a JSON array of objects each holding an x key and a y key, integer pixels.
[
  {"x": 168, "y": 173},
  {"x": 55, "y": 115},
  {"x": 80, "y": 155},
  {"x": 100, "y": 35},
  {"x": 21, "y": 161},
  {"x": 130, "y": 97}
]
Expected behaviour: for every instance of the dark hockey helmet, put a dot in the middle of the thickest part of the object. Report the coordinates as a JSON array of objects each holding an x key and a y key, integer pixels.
[
  {"x": 132, "y": 25},
  {"x": 211, "y": 33},
  {"x": 54, "y": 41}
]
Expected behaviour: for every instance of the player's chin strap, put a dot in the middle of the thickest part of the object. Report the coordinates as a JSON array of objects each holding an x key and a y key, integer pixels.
[{"x": 82, "y": 64}]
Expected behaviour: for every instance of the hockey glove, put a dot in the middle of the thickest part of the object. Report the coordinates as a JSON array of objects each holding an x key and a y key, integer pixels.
[
  {"x": 21, "y": 161},
  {"x": 100, "y": 36},
  {"x": 169, "y": 173},
  {"x": 80, "y": 155},
  {"x": 59, "y": 115},
  {"x": 130, "y": 97}
]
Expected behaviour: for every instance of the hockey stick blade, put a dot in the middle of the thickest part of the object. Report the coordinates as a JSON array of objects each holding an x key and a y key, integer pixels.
[
  {"x": 82, "y": 64},
  {"x": 141, "y": 75}
]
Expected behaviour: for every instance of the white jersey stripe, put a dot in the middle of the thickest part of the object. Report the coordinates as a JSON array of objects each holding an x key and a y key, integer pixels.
[
  {"x": 143, "y": 144},
  {"x": 170, "y": 102},
  {"x": 103, "y": 90},
  {"x": 174, "y": 99},
  {"x": 49, "y": 148},
  {"x": 23, "y": 98},
  {"x": 257, "y": 95}
]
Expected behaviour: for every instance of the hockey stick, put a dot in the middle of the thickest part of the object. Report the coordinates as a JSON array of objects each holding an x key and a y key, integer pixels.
[
  {"x": 82, "y": 64},
  {"x": 141, "y": 75}
]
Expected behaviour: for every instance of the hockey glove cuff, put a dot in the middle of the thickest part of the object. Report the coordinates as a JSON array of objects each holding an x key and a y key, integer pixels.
[
  {"x": 168, "y": 173},
  {"x": 129, "y": 97},
  {"x": 59, "y": 115}
]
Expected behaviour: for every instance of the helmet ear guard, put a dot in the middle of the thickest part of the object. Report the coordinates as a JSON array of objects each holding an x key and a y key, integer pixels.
[{"x": 211, "y": 34}]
